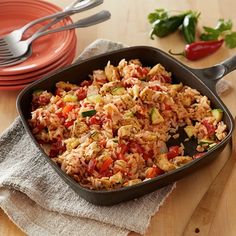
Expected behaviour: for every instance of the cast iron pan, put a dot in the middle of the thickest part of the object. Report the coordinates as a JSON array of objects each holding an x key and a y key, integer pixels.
[{"x": 204, "y": 80}]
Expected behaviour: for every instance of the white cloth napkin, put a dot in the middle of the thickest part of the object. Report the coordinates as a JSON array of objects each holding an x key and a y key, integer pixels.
[{"x": 34, "y": 196}]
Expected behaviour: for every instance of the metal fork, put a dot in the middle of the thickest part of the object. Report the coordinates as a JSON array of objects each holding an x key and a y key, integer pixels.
[
  {"x": 22, "y": 47},
  {"x": 77, "y": 6}
]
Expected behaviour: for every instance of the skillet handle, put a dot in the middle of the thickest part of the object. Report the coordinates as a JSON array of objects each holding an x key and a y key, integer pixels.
[{"x": 211, "y": 75}]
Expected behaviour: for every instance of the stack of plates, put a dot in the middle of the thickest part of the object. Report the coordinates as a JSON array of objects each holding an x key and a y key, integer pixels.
[{"x": 50, "y": 52}]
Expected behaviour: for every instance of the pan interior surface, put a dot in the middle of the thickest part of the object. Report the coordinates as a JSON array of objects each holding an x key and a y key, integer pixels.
[{"x": 149, "y": 57}]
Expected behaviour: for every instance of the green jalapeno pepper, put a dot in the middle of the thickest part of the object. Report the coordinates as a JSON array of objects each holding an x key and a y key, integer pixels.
[
  {"x": 166, "y": 26},
  {"x": 189, "y": 26}
]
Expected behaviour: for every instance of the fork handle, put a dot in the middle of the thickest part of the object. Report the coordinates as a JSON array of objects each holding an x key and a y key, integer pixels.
[
  {"x": 69, "y": 10},
  {"x": 88, "y": 21}
]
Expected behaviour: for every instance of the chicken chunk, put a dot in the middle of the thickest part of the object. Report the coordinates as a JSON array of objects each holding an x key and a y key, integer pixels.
[
  {"x": 163, "y": 163},
  {"x": 181, "y": 160}
]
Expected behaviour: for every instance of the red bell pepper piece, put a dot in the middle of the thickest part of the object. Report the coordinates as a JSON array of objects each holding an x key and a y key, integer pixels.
[
  {"x": 173, "y": 152},
  {"x": 106, "y": 164}
]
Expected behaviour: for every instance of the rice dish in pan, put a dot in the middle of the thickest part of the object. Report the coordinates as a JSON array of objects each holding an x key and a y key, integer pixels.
[{"x": 111, "y": 130}]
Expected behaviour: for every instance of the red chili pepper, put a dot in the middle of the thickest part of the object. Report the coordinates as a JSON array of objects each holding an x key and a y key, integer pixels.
[{"x": 198, "y": 50}]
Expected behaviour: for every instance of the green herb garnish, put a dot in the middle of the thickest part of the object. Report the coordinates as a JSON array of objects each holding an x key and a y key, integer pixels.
[{"x": 223, "y": 29}]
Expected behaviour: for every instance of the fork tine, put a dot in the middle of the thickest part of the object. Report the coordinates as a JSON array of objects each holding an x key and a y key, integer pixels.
[
  {"x": 2, "y": 40},
  {"x": 6, "y": 56},
  {"x": 10, "y": 62},
  {"x": 3, "y": 44},
  {"x": 4, "y": 49},
  {"x": 7, "y": 63}
]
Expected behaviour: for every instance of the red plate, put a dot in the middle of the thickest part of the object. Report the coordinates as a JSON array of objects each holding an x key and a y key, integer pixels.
[
  {"x": 9, "y": 79},
  {"x": 66, "y": 61},
  {"x": 23, "y": 85},
  {"x": 46, "y": 50}
]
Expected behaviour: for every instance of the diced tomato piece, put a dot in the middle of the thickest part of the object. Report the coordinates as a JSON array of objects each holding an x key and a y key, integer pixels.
[
  {"x": 156, "y": 88},
  {"x": 148, "y": 155},
  {"x": 91, "y": 165},
  {"x": 210, "y": 127},
  {"x": 101, "y": 80},
  {"x": 173, "y": 152},
  {"x": 61, "y": 117},
  {"x": 135, "y": 147},
  {"x": 120, "y": 156},
  {"x": 167, "y": 107},
  {"x": 106, "y": 164},
  {"x": 145, "y": 71},
  {"x": 153, "y": 172},
  {"x": 139, "y": 72},
  {"x": 81, "y": 93},
  {"x": 95, "y": 120},
  {"x": 159, "y": 171},
  {"x": 69, "y": 123},
  {"x": 167, "y": 79},
  {"x": 59, "y": 114},
  {"x": 123, "y": 149},
  {"x": 57, "y": 148},
  {"x": 44, "y": 99},
  {"x": 154, "y": 78},
  {"x": 60, "y": 103},
  {"x": 198, "y": 155},
  {"x": 86, "y": 83},
  {"x": 59, "y": 92},
  {"x": 103, "y": 143}
]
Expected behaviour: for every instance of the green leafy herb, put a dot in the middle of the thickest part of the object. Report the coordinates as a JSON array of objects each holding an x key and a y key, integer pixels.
[
  {"x": 223, "y": 25},
  {"x": 157, "y": 14},
  {"x": 223, "y": 29},
  {"x": 230, "y": 40},
  {"x": 210, "y": 34}
]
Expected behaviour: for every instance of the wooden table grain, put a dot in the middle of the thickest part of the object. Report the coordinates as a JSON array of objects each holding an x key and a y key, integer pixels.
[{"x": 129, "y": 25}]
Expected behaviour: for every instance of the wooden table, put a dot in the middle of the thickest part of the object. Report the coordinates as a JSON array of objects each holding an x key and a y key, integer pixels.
[{"x": 129, "y": 25}]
